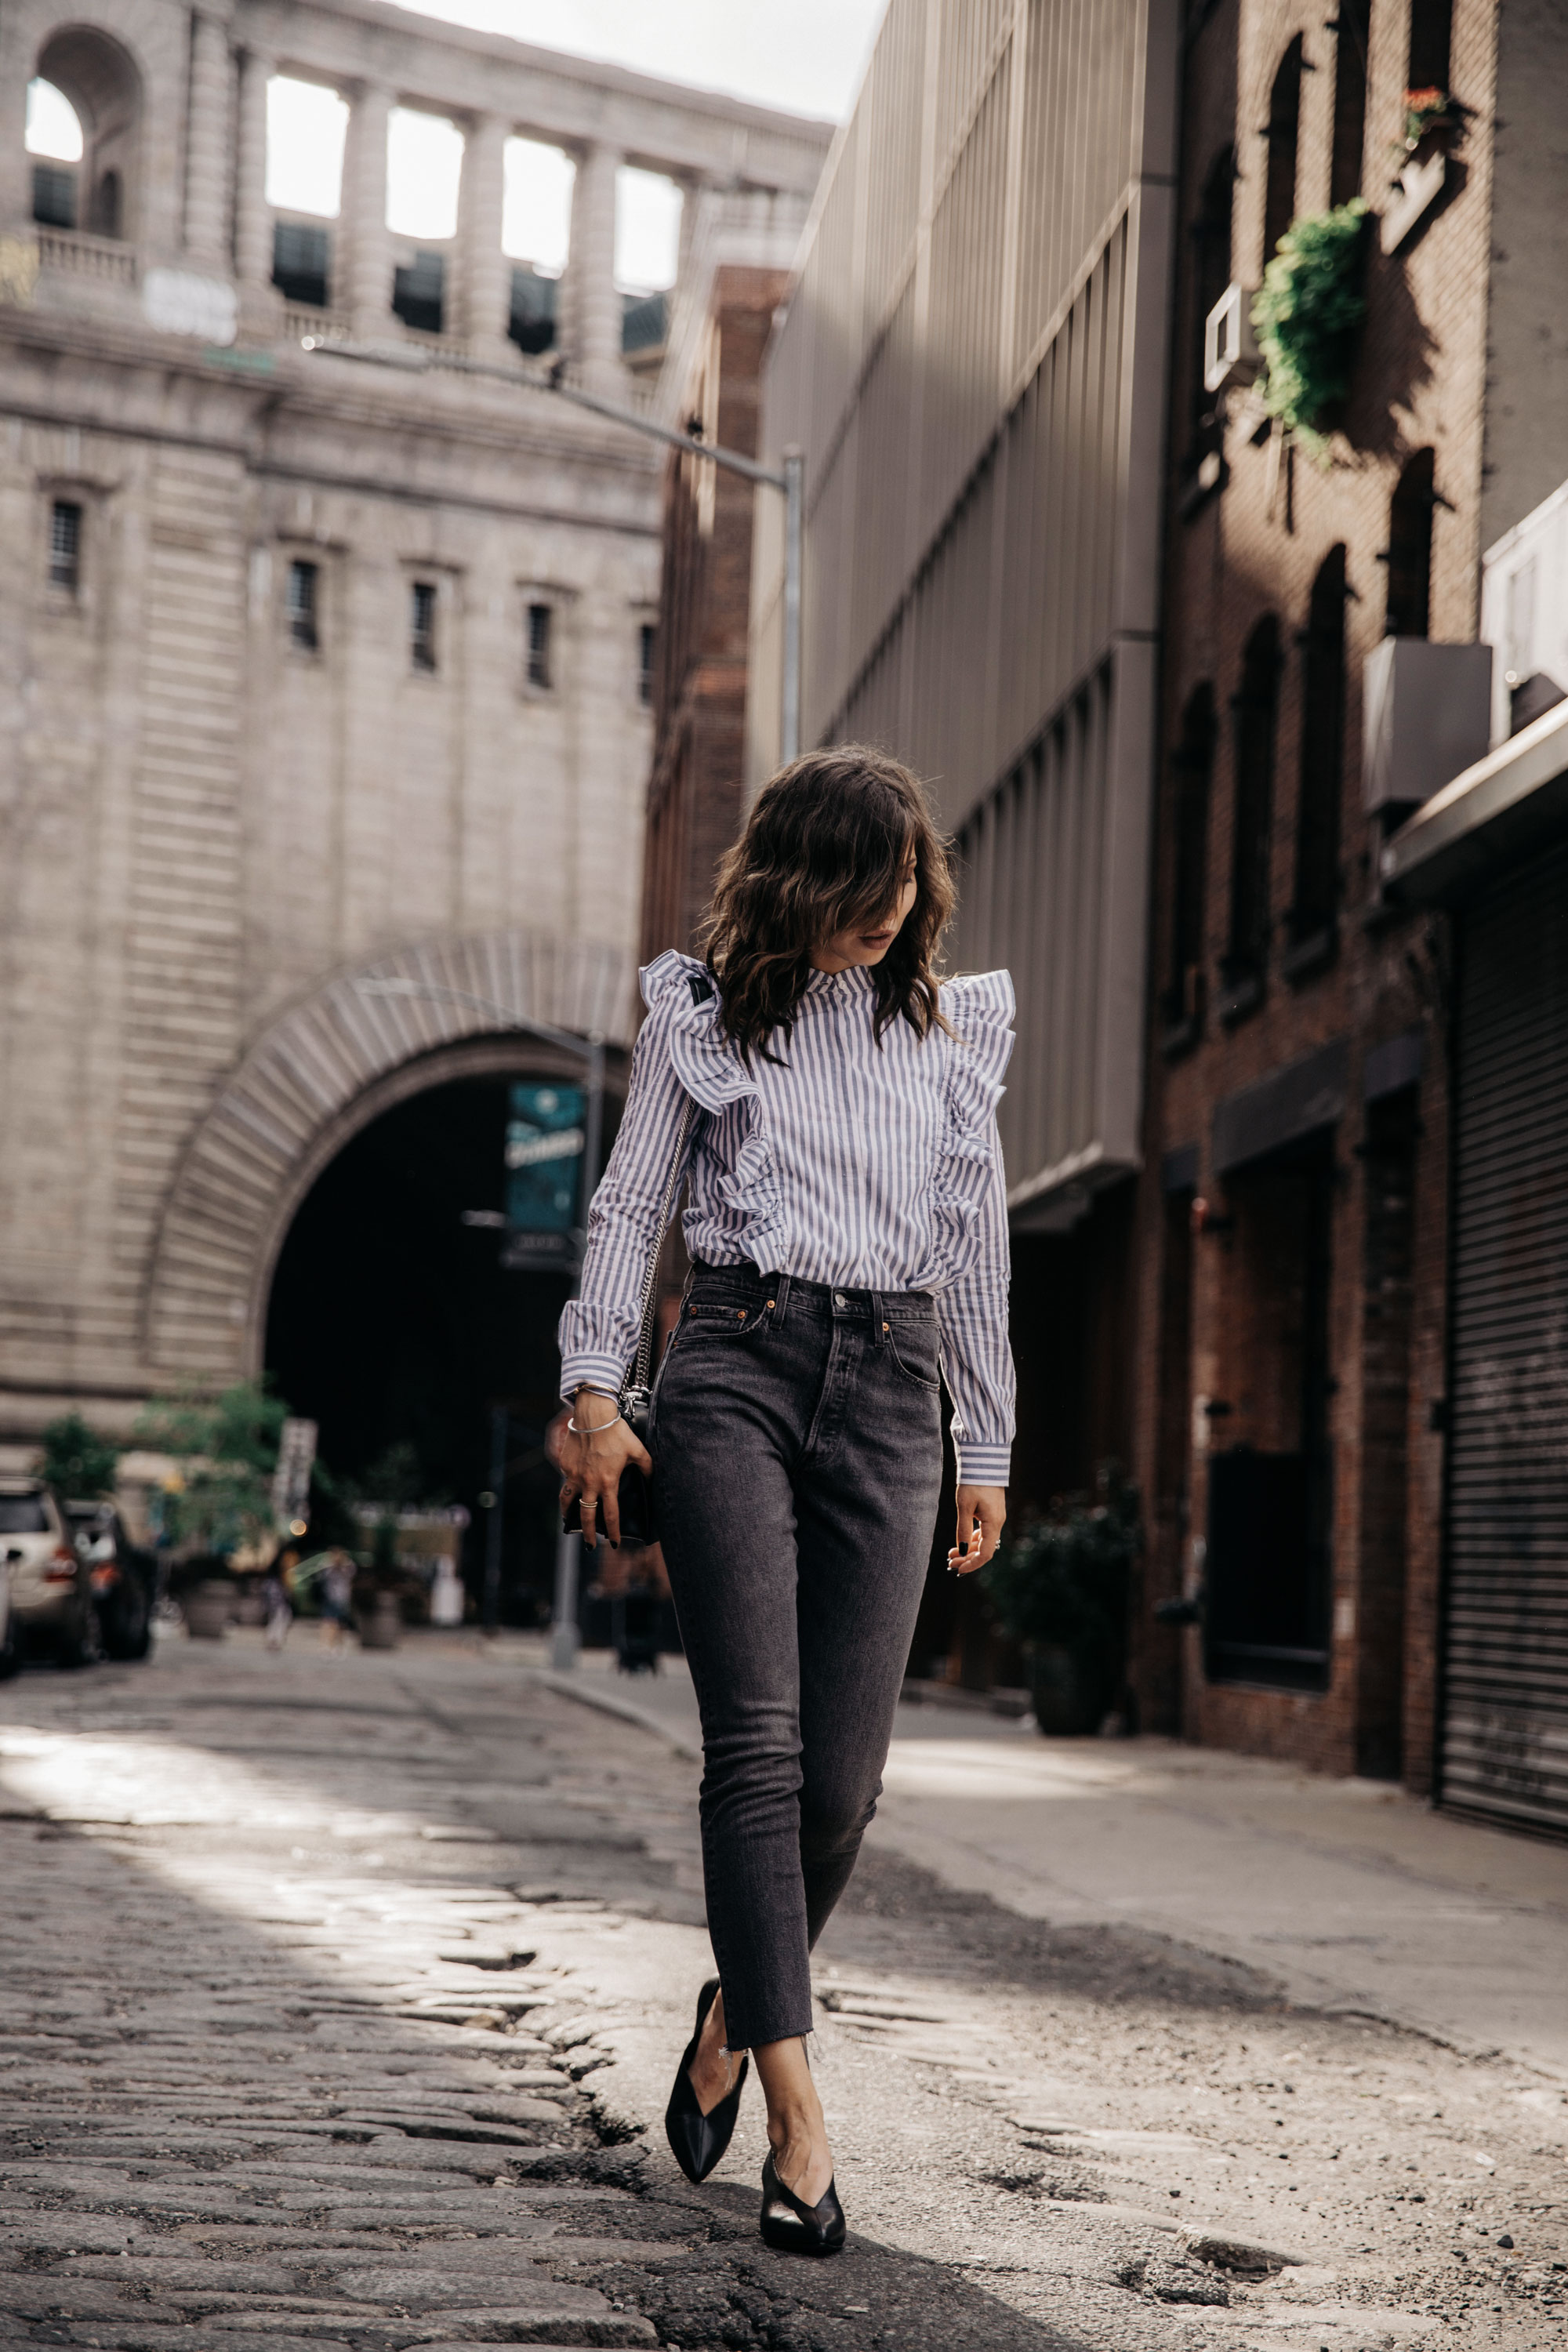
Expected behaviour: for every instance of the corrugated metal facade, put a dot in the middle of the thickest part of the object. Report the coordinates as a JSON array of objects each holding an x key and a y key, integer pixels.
[
  {"x": 1505, "y": 1689},
  {"x": 974, "y": 362}
]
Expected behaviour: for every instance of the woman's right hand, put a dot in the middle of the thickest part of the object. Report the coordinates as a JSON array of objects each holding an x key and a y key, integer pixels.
[{"x": 592, "y": 1459}]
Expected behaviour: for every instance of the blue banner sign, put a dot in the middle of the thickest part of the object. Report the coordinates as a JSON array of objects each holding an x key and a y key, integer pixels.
[{"x": 545, "y": 1140}]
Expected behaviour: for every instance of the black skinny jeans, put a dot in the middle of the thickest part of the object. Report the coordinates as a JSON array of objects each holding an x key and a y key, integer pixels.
[{"x": 797, "y": 1446}]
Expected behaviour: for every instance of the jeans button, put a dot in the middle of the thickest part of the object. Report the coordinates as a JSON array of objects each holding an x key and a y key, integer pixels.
[{"x": 838, "y": 1298}]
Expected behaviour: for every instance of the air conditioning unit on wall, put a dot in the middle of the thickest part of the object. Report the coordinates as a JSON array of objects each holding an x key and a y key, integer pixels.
[
  {"x": 1524, "y": 616},
  {"x": 1426, "y": 709},
  {"x": 1230, "y": 348}
]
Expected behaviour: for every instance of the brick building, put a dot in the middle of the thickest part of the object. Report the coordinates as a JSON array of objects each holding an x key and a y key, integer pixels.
[
  {"x": 695, "y": 787},
  {"x": 1292, "y": 1211}
]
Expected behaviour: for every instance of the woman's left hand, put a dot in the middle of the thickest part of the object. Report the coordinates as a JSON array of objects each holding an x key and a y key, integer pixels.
[{"x": 982, "y": 1510}]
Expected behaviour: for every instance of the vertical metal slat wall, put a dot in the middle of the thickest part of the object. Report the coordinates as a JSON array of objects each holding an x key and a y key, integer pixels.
[{"x": 1505, "y": 1734}]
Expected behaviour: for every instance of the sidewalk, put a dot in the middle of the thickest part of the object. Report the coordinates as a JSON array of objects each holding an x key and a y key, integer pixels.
[{"x": 1358, "y": 1898}]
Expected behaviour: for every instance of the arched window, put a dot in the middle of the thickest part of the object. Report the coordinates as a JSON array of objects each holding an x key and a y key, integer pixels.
[
  {"x": 104, "y": 88},
  {"x": 1254, "y": 708},
  {"x": 1316, "y": 901},
  {"x": 1351, "y": 23},
  {"x": 1410, "y": 551},
  {"x": 1431, "y": 38},
  {"x": 1283, "y": 136},
  {"x": 1192, "y": 771}
]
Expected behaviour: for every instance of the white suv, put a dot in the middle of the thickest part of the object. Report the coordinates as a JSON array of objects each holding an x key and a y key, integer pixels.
[{"x": 51, "y": 1601}]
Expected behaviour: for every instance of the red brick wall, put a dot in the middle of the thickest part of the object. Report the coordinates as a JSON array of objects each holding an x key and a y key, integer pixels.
[
  {"x": 1252, "y": 548},
  {"x": 694, "y": 792}
]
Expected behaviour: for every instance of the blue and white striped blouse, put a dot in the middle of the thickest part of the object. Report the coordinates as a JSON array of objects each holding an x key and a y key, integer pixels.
[{"x": 875, "y": 1167}]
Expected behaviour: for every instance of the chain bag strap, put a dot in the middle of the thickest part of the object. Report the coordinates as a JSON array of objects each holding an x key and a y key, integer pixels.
[{"x": 633, "y": 1498}]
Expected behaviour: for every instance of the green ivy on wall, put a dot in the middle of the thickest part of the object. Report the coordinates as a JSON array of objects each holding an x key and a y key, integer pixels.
[{"x": 1305, "y": 317}]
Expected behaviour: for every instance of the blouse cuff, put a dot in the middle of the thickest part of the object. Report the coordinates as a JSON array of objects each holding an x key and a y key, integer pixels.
[
  {"x": 983, "y": 1465},
  {"x": 585, "y": 1370}
]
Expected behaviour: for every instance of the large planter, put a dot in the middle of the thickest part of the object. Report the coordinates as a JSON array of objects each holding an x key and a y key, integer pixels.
[
  {"x": 381, "y": 1626},
  {"x": 1066, "y": 1690},
  {"x": 209, "y": 1609}
]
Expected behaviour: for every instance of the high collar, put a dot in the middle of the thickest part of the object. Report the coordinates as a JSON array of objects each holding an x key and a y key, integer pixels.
[{"x": 855, "y": 980}]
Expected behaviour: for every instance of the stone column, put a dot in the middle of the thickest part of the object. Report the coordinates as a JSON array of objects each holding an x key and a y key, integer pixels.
[
  {"x": 252, "y": 220},
  {"x": 596, "y": 305},
  {"x": 208, "y": 144},
  {"x": 363, "y": 216},
  {"x": 15, "y": 163},
  {"x": 484, "y": 270}
]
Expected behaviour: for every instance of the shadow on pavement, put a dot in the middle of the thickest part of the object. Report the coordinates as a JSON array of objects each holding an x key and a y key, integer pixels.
[{"x": 289, "y": 2060}]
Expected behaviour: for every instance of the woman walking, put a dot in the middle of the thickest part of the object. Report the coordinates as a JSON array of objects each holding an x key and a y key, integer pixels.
[{"x": 846, "y": 1223}]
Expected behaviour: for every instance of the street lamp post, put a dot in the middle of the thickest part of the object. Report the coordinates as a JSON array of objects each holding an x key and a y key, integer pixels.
[
  {"x": 590, "y": 1052},
  {"x": 791, "y": 480}
]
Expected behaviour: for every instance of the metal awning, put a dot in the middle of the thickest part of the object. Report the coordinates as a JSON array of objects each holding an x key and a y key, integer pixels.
[{"x": 1504, "y": 808}]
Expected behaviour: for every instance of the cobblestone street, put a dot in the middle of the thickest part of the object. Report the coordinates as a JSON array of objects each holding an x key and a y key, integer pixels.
[{"x": 342, "y": 1992}]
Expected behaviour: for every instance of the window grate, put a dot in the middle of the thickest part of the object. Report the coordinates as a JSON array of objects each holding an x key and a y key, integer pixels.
[
  {"x": 64, "y": 546},
  {"x": 645, "y": 643},
  {"x": 539, "y": 647},
  {"x": 422, "y": 626}
]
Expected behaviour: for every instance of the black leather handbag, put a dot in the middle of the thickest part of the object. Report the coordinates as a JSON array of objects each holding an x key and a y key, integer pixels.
[{"x": 634, "y": 1494}]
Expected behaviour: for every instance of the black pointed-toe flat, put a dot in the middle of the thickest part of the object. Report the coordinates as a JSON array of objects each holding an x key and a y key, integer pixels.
[
  {"x": 698, "y": 2141},
  {"x": 791, "y": 2228}
]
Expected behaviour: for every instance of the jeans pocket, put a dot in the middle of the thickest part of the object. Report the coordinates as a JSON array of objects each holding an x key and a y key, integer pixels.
[
  {"x": 714, "y": 1320},
  {"x": 915, "y": 1359}
]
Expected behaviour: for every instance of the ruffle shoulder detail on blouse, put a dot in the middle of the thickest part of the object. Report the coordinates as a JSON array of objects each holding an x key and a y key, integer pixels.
[
  {"x": 710, "y": 1067},
  {"x": 981, "y": 1007}
]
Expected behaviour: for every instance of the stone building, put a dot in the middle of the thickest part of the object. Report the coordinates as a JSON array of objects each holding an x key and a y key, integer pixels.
[
  {"x": 312, "y": 672},
  {"x": 1308, "y": 1473}
]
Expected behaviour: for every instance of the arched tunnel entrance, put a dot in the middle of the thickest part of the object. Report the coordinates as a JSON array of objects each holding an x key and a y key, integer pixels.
[{"x": 394, "y": 1324}]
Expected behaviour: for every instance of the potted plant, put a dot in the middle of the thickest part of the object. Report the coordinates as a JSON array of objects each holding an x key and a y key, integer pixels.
[
  {"x": 218, "y": 1499},
  {"x": 1060, "y": 1589},
  {"x": 1305, "y": 317},
  {"x": 1430, "y": 116}
]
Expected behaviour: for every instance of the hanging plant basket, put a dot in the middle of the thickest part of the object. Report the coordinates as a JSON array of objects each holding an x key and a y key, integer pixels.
[
  {"x": 1306, "y": 317},
  {"x": 1429, "y": 114}
]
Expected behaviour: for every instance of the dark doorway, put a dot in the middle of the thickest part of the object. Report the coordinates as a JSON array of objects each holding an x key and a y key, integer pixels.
[
  {"x": 1270, "y": 1489},
  {"x": 391, "y": 1324}
]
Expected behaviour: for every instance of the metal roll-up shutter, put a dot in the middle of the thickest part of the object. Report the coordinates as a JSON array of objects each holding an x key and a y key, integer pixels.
[{"x": 1505, "y": 1716}]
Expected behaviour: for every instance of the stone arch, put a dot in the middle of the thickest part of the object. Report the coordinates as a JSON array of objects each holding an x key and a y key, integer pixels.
[
  {"x": 101, "y": 80},
  {"x": 318, "y": 1073}
]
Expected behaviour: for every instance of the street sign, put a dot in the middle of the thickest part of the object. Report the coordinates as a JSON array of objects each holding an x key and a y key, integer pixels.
[
  {"x": 292, "y": 1479},
  {"x": 544, "y": 1142}
]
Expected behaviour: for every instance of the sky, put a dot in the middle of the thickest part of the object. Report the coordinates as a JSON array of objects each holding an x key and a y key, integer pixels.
[{"x": 807, "y": 57}]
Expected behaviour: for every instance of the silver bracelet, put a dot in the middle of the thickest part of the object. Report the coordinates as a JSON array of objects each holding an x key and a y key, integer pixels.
[{"x": 578, "y": 1432}]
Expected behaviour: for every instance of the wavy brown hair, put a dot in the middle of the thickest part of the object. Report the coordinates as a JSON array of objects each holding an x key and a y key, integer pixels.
[{"x": 827, "y": 848}]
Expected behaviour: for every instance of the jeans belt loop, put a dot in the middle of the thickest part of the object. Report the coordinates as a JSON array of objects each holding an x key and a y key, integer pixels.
[
  {"x": 781, "y": 1300},
  {"x": 879, "y": 1325}
]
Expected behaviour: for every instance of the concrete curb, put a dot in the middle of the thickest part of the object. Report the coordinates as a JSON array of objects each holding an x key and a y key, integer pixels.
[{"x": 610, "y": 1702}]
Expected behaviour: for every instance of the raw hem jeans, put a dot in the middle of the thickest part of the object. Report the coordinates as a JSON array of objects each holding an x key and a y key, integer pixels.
[{"x": 796, "y": 1438}]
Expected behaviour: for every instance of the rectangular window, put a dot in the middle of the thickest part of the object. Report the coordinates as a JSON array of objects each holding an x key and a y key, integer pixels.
[
  {"x": 539, "y": 616},
  {"x": 645, "y": 662},
  {"x": 422, "y": 626},
  {"x": 301, "y": 262},
  {"x": 54, "y": 196},
  {"x": 64, "y": 546},
  {"x": 302, "y": 584},
  {"x": 419, "y": 292}
]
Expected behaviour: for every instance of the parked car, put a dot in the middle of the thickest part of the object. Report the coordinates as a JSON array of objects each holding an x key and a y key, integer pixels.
[
  {"x": 52, "y": 1584},
  {"x": 124, "y": 1577}
]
